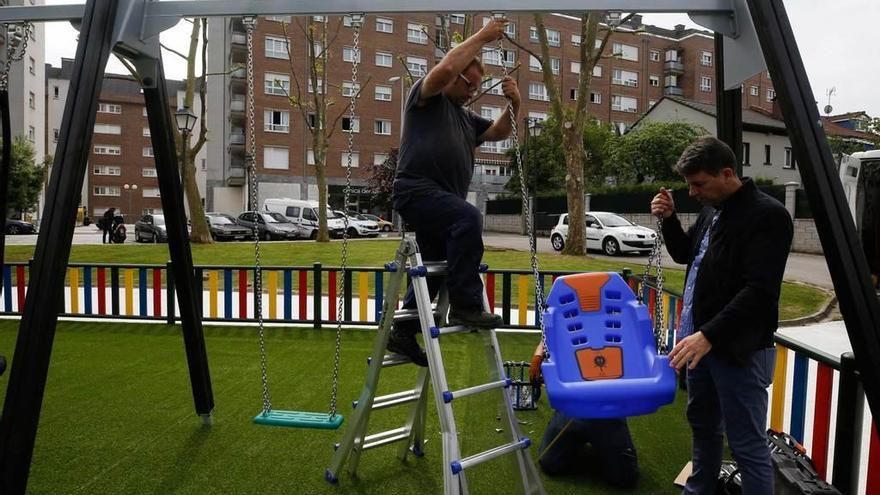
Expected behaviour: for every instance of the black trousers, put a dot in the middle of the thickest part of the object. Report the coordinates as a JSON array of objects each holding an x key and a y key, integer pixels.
[{"x": 448, "y": 228}]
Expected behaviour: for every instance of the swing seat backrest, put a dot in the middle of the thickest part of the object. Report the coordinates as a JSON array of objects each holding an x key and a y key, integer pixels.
[{"x": 603, "y": 358}]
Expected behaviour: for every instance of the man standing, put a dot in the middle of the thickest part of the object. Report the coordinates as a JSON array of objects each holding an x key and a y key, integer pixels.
[
  {"x": 107, "y": 225},
  {"x": 736, "y": 253},
  {"x": 434, "y": 172}
]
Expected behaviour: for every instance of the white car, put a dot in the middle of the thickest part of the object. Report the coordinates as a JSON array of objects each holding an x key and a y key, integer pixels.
[
  {"x": 359, "y": 225},
  {"x": 608, "y": 232}
]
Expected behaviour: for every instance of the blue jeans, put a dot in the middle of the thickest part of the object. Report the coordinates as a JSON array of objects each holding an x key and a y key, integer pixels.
[
  {"x": 611, "y": 454},
  {"x": 723, "y": 397},
  {"x": 448, "y": 228}
]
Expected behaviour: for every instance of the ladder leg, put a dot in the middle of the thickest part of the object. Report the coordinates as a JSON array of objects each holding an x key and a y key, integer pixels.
[{"x": 416, "y": 420}]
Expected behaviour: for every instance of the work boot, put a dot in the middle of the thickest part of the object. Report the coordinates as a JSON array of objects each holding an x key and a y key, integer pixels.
[
  {"x": 402, "y": 342},
  {"x": 474, "y": 317}
]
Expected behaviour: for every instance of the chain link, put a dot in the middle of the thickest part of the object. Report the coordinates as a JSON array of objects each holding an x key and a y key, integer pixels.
[
  {"x": 661, "y": 333},
  {"x": 356, "y": 22},
  {"x": 14, "y": 51},
  {"x": 526, "y": 207},
  {"x": 250, "y": 24}
]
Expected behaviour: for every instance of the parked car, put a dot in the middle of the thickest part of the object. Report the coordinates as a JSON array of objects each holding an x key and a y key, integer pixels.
[
  {"x": 14, "y": 227},
  {"x": 270, "y": 225},
  {"x": 225, "y": 228},
  {"x": 305, "y": 215},
  {"x": 384, "y": 225},
  {"x": 359, "y": 225},
  {"x": 150, "y": 228},
  {"x": 608, "y": 232}
]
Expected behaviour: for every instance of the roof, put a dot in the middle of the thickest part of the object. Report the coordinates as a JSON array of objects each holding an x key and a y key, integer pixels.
[
  {"x": 752, "y": 120},
  {"x": 834, "y": 129},
  {"x": 847, "y": 116}
]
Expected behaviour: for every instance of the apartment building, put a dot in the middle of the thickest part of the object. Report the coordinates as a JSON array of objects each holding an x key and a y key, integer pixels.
[
  {"x": 121, "y": 171},
  {"x": 650, "y": 63}
]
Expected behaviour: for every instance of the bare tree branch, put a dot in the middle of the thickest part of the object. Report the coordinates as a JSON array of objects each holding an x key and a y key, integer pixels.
[{"x": 172, "y": 50}]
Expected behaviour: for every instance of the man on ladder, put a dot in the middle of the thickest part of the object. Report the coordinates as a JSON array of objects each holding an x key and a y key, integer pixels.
[{"x": 434, "y": 172}]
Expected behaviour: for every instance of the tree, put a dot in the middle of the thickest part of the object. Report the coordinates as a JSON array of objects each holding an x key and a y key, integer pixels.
[
  {"x": 579, "y": 164},
  {"x": 648, "y": 152},
  {"x": 316, "y": 104},
  {"x": 186, "y": 150},
  {"x": 25, "y": 177},
  {"x": 380, "y": 180}
]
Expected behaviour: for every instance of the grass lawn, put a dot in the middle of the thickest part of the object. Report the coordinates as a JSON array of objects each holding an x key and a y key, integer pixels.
[
  {"x": 797, "y": 300},
  {"x": 118, "y": 416}
]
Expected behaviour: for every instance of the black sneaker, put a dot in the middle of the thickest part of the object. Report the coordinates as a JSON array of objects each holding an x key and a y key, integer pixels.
[
  {"x": 474, "y": 318},
  {"x": 402, "y": 342}
]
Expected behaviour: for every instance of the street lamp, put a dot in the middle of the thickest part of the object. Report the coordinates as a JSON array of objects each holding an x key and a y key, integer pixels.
[
  {"x": 402, "y": 99},
  {"x": 131, "y": 188},
  {"x": 533, "y": 130},
  {"x": 186, "y": 120}
]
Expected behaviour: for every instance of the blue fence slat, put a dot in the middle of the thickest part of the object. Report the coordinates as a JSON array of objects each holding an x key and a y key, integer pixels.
[
  {"x": 799, "y": 396},
  {"x": 227, "y": 293},
  {"x": 142, "y": 291},
  {"x": 288, "y": 294},
  {"x": 7, "y": 288},
  {"x": 87, "y": 289},
  {"x": 379, "y": 295}
]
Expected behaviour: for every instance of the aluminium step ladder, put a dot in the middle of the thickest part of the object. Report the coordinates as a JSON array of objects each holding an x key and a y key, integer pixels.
[{"x": 411, "y": 435}]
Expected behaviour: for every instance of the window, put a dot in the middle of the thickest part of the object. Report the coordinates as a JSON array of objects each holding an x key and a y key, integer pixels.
[
  {"x": 654, "y": 81},
  {"x": 384, "y": 25},
  {"x": 383, "y": 59},
  {"x": 492, "y": 86},
  {"x": 146, "y": 132},
  {"x": 538, "y": 116},
  {"x": 417, "y": 33},
  {"x": 277, "y": 47},
  {"x": 32, "y": 134},
  {"x": 55, "y": 92},
  {"x": 555, "y": 65},
  {"x": 534, "y": 64},
  {"x": 32, "y": 66},
  {"x": 310, "y": 156},
  {"x": 32, "y": 100},
  {"x": 533, "y": 34},
  {"x": 537, "y": 91},
  {"x": 311, "y": 121},
  {"x": 147, "y": 151},
  {"x": 626, "y": 52},
  {"x": 349, "y": 54},
  {"x": 789, "y": 160},
  {"x": 277, "y": 84},
  {"x": 379, "y": 158},
  {"x": 552, "y": 37},
  {"x": 753, "y": 90},
  {"x": 382, "y": 127},
  {"x": 145, "y": 111},
  {"x": 319, "y": 18},
  {"x": 110, "y": 108},
  {"x": 108, "y": 129},
  {"x": 771, "y": 95},
  {"x": 55, "y": 135},
  {"x": 595, "y": 97},
  {"x": 510, "y": 29},
  {"x": 317, "y": 49},
  {"x": 275, "y": 158},
  {"x": 654, "y": 55},
  {"x": 767, "y": 155},
  {"x": 651, "y": 103},
  {"x": 575, "y": 67},
  {"x": 148, "y": 172},
  {"x": 107, "y": 149},
  {"x": 351, "y": 124},
  {"x": 106, "y": 191},
  {"x": 706, "y": 59},
  {"x": 500, "y": 147},
  {"x": 705, "y": 83},
  {"x": 417, "y": 66},
  {"x": 671, "y": 55},
  {"x": 383, "y": 93},
  {"x": 107, "y": 170},
  {"x": 350, "y": 89},
  {"x": 278, "y": 18},
  {"x": 355, "y": 158},
  {"x": 491, "y": 56},
  {"x": 747, "y": 152},
  {"x": 624, "y": 103},
  {"x": 576, "y": 40},
  {"x": 456, "y": 18},
  {"x": 276, "y": 121},
  {"x": 150, "y": 192},
  {"x": 625, "y": 78},
  {"x": 509, "y": 57},
  {"x": 597, "y": 71},
  {"x": 670, "y": 81},
  {"x": 574, "y": 94},
  {"x": 311, "y": 88}
]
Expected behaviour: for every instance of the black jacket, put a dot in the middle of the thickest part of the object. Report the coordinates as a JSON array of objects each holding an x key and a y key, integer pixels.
[{"x": 736, "y": 296}]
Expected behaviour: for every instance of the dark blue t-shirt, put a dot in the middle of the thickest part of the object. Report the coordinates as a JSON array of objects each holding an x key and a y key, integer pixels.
[{"x": 437, "y": 147}]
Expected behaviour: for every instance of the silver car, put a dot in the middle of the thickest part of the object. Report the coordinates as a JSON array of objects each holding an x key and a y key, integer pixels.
[{"x": 270, "y": 225}]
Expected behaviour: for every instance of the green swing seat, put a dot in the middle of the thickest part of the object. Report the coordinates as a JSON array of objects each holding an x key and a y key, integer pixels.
[{"x": 299, "y": 419}]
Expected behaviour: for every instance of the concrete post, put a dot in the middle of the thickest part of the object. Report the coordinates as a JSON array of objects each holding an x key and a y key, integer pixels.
[
  {"x": 790, "y": 194},
  {"x": 587, "y": 201}
]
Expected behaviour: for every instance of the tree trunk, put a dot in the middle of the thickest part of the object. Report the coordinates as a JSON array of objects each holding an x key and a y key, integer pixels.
[
  {"x": 573, "y": 144},
  {"x": 320, "y": 152},
  {"x": 200, "y": 234}
]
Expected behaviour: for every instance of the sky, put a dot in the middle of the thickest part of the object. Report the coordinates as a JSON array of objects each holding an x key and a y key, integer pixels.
[{"x": 838, "y": 41}]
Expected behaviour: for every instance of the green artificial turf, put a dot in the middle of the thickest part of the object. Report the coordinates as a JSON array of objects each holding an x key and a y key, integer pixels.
[{"x": 118, "y": 417}]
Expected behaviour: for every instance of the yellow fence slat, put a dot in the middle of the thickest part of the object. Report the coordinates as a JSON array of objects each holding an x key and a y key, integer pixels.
[
  {"x": 523, "y": 298},
  {"x": 777, "y": 405},
  {"x": 73, "y": 275},
  {"x": 273, "y": 287},
  {"x": 363, "y": 294},
  {"x": 129, "y": 291}
]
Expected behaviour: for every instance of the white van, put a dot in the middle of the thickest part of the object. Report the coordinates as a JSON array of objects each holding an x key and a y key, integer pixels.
[{"x": 305, "y": 215}]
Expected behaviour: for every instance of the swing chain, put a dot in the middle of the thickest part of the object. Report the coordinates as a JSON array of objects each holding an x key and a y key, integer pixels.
[
  {"x": 526, "y": 207},
  {"x": 250, "y": 24},
  {"x": 14, "y": 50},
  {"x": 661, "y": 333},
  {"x": 356, "y": 22}
]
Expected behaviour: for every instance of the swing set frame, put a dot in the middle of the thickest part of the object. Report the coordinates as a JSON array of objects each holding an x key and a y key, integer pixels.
[{"x": 745, "y": 30}]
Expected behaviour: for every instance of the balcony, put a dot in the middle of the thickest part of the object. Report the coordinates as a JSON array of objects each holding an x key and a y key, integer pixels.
[
  {"x": 237, "y": 104},
  {"x": 239, "y": 39},
  {"x": 673, "y": 91},
  {"x": 235, "y": 175},
  {"x": 236, "y": 140},
  {"x": 238, "y": 81},
  {"x": 673, "y": 67}
]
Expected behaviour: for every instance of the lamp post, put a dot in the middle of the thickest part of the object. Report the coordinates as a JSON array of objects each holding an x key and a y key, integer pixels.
[
  {"x": 131, "y": 188},
  {"x": 186, "y": 121},
  {"x": 395, "y": 218},
  {"x": 533, "y": 128}
]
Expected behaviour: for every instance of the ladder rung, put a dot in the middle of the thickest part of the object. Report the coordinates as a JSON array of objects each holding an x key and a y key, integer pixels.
[
  {"x": 438, "y": 331},
  {"x": 428, "y": 268},
  {"x": 392, "y": 400},
  {"x": 448, "y": 396},
  {"x": 391, "y": 360},
  {"x": 467, "y": 462},
  {"x": 385, "y": 438},
  {"x": 402, "y": 315}
]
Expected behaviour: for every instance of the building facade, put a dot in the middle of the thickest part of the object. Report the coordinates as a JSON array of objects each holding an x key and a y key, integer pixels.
[
  {"x": 647, "y": 63},
  {"x": 121, "y": 171}
]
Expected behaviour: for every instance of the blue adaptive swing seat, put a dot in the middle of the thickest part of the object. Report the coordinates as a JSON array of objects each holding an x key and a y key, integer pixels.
[{"x": 603, "y": 358}]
